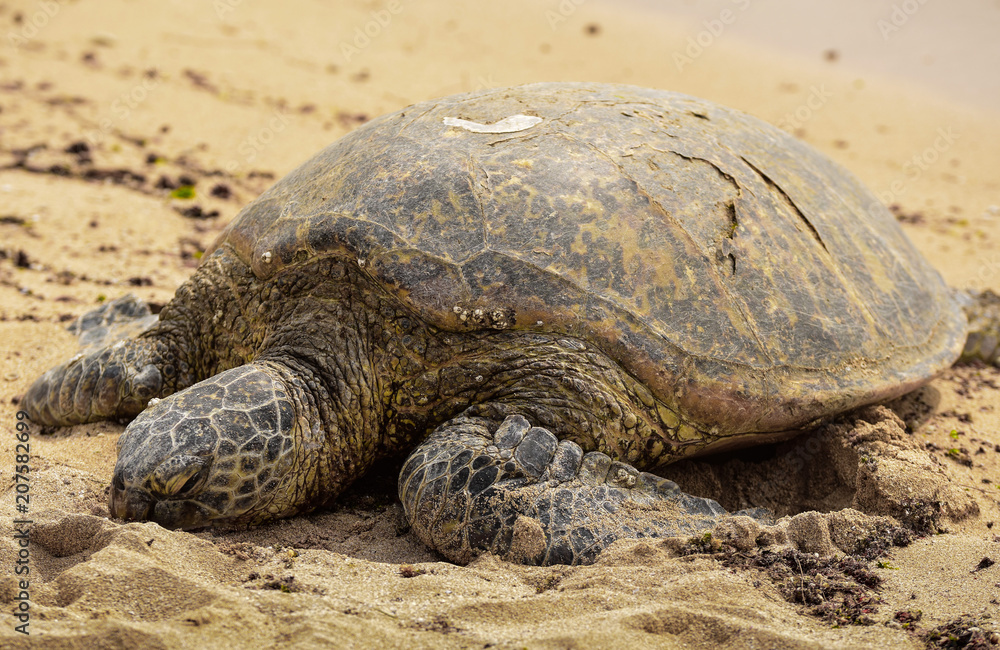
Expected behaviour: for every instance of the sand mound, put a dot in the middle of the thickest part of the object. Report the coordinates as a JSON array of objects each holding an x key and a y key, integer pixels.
[{"x": 865, "y": 461}]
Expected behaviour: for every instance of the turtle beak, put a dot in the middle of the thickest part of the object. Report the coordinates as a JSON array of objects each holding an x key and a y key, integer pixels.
[
  {"x": 133, "y": 504},
  {"x": 130, "y": 505},
  {"x": 180, "y": 515}
]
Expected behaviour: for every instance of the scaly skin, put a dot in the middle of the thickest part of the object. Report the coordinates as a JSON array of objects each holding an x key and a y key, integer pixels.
[
  {"x": 352, "y": 376},
  {"x": 516, "y": 491},
  {"x": 115, "y": 382},
  {"x": 114, "y": 379},
  {"x": 285, "y": 418}
]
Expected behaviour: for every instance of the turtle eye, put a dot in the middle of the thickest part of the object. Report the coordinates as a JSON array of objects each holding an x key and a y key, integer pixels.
[
  {"x": 190, "y": 484},
  {"x": 194, "y": 478},
  {"x": 179, "y": 475}
]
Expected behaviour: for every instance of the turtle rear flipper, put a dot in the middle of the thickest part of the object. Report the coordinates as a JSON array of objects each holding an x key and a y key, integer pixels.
[{"x": 516, "y": 491}]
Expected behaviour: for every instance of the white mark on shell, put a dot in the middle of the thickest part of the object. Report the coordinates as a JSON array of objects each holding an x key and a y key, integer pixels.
[
  {"x": 361, "y": 262},
  {"x": 511, "y": 124},
  {"x": 266, "y": 257},
  {"x": 153, "y": 401}
]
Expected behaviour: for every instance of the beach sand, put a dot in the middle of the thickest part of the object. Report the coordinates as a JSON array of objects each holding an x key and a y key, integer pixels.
[{"x": 231, "y": 95}]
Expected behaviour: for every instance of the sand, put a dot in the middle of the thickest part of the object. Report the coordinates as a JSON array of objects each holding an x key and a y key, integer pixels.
[{"x": 232, "y": 95}]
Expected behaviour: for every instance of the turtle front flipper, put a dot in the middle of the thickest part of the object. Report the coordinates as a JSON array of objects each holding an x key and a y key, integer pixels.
[
  {"x": 983, "y": 342},
  {"x": 516, "y": 491},
  {"x": 123, "y": 364}
]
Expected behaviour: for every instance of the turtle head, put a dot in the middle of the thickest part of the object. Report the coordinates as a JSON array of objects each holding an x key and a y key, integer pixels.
[{"x": 220, "y": 452}]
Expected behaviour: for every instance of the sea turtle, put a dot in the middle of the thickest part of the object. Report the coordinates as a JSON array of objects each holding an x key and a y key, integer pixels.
[{"x": 538, "y": 291}]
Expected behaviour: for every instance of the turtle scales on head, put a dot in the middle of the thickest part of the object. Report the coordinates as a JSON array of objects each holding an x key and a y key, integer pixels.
[{"x": 539, "y": 291}]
